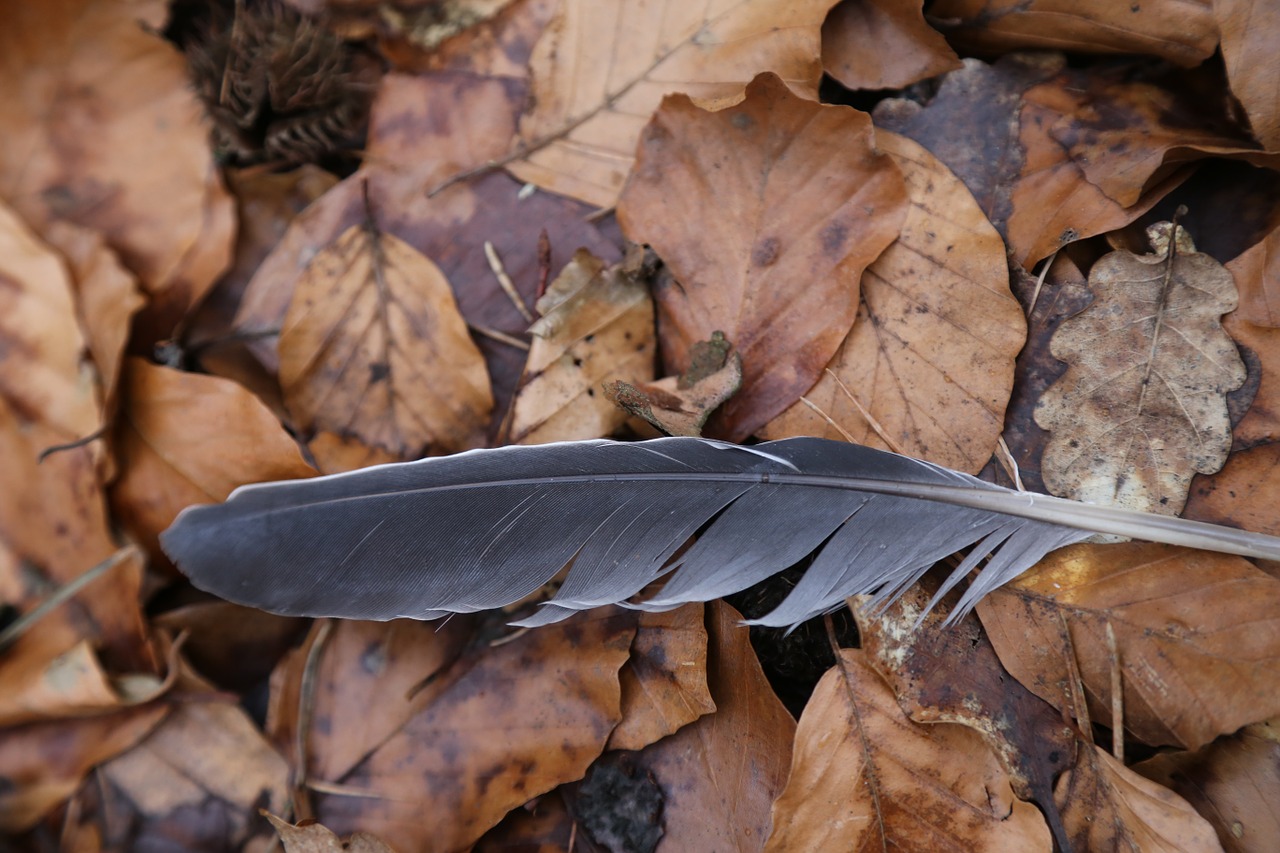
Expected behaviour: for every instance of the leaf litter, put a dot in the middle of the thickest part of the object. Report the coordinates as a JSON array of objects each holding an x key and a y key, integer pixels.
[{"x": 117, "y": 738}]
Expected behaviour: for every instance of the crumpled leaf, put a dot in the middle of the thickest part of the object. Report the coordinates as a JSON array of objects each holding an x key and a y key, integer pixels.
[
  {"x": 602, "y": 66},
  {"x": 1181, "y": 32},
  {"x": 596, "y": 324},
  {"x": 373, "y": 345},
  {"x": 865, "y": 777},
  {"x": 1107, "y": 806},
  {"x": 1142, "y": 406},
  {"x": 315, "y": 838},
  {"x": 882, "y": 44},
  {"x": 774, "y": 269},
  {"x": 931, "y": 355},
  {"x": 680, "y": 405},
  {"x": 1248, "y": 28},
  {"x": 1197, "y": 635}
]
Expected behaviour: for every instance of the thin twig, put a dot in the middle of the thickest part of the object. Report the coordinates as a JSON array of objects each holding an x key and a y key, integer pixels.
[
  {"x": 504, "y": 281},
  {"x": 306, "y": 711},
  {"x": 867, "y": 416},
  {"x": 1010, "y": 464},
  {"x": 812, "y": 405},
  {"x": 1044, "y": 271},
  {"x": 1074, "y": 683},
  {"x": 67, "y": 591},
  {"x": 1117, "y": 696},
  {"x": 73, "y": 445},
  {"x": 500, "y": 337}
]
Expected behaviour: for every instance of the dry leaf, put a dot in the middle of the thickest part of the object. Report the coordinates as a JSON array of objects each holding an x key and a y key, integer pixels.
[
  {"x": 1246, "y": 492},
  {"x": 1142, "y": 406},
  {"x": 596, "y": 324},
  {"x": 680, "y": 405},
  {"x": 373, "y": 345},
  {"x": 188, "y": 439},
  {"x": 776, "y": 270},
  {"x": 602, "y": 66},
  {"x": 1248, "y": 29},
  {"x": 1233, "y": 782},
  {"x": 1176, "y": 30},
  {"x": 125, "y": 154},
  {"x": 882, "y": 44},
  {"x": 865, "y": 777},
  {"x": 1197, "y": 635},
  {"x": 1107, "y": 806},
  {"x": 334, "y": 453},
  {"x": 1257, "y": 276},
  {"x": 314, "y": 838},
  {"x": 234, "y": 647},
  {"x": 514, "y": 722},
  {"x": 931, "y": 355}
]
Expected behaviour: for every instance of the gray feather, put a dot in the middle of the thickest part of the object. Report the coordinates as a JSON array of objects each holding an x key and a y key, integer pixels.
[{"x": 484, "y": 529}]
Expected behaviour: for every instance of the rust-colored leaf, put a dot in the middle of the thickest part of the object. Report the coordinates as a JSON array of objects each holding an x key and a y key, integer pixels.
[
  {"x": 1248, "y": 28},
  {"x": 865, "y": 777},
  {"x": 1257, "y": 276},
  {"x": 1176, "y": 30},
  {"x": 1197, "y": 637},
  {"x": 373, "y": 345},
  {"x": 1142, "y": 405},
  {"x": 775, "y": 270},
  {"x": 1245, "y": 493},
  {"x": 930, "y": 357},
  {"x": 882, "y": 44},
  {"x": 602, "y": 66},
  {"x": 1107, "y": 806},
  {"x": 596, "y": 325},
  {"x": 1233, "y": 782}
]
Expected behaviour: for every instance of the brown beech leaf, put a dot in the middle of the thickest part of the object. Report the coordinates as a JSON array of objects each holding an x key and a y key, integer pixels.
[
  {"x": 1247, "y": 28},
  {"x": 1246, "y": 492},
  {"x": 126, "y": 152},
  {"x": 882, "y": 44},
  {"x": 373, "y": 345},
  {"x": 1233, "y": 782},
  {"x": 596, "y": 324},
  {"x": 775, "y": 270},
  {"x": 664, "y": 682},
  {"x": 865, "y": 777},
  {"x": 186, "y": 439},
  {"x": 602, "y": 66},
  {"x": 512, "y": 722},
  {"x": 1142, "y": 405},
  {"x": 1261, "y": 423},
  {"x": 931, "y": 354},
  {"x": 680, "y": 405},
  {"x": 315, "y": 838},
  {"x": 1107, "y": 806},
  {"x": 1257, "y": 276},
  {"x": 1197, "y": 637},
  {"x": 335, "y": 453},
  {"x": 1176, "y": 30}
]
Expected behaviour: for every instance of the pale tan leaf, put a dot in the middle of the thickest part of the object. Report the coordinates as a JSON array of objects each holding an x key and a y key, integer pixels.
[
  {"x": 602, "y": 66},
  {"x": 864, "y": 777},
  {"x": 315, "y": 838},
  {"x": 1142, "y": 406},
  {"x": 1107, "y": 806},
  {"x": 1197, "y": 637},
  {"x": 597, "y": 325},
  {"x": 373, "y": 346},
  {"x": 717, "y": 195},
  {"x": 931, "y": 355}
]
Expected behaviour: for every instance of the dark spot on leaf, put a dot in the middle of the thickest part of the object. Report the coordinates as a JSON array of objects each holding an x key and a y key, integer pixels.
[
  {"x": 378, "y": 371},
  {"x": 766, "y": 252},
  {"x": 834, "y": 237},
  {"x": 742, "y": 121},
  {"x": 577, "y": 362}
]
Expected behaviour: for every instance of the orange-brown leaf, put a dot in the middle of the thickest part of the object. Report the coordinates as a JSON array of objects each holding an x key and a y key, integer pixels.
[
  {"x": 882, "y": 44},
  {"x": 1248, "y": 29}
]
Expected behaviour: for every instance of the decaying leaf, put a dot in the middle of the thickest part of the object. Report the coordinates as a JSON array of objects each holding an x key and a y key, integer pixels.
[
  {"x": 680, "y": 405},
  {"x": 931, "y": 356},
  {"x": 865, "y": 777},
  {"x": 315, "y": 838},
  {"x": 373, "y": 345},
  {"x": 1197, "y": 637},
  {"x": 1107, "y": 806},
  {"x": 882, "y": 44},
  {"x": 1142, "y": 406},
  {"x": 596, "y": 324},
  {"x": 1257, "y": 275},
  {"x": 1248, "y": 27},
  {"x": 774, "y": 269},
  {"x": 602, "y": 66}
]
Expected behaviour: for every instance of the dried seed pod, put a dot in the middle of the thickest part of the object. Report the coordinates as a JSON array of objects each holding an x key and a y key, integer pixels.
[{"x": 278, "y": 86}]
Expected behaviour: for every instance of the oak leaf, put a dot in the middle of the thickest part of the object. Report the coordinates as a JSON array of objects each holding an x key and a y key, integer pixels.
[
  {"x": 316, "y": 838},
  {"x": 373, "y": 345},
  {"x": 1142, "y": 405},
  {"x": 775, "y": 269}
]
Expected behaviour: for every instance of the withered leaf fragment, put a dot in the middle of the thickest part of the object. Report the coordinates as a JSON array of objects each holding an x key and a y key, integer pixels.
[
  {"x": 680, "y": 405},
  {"x": 1142, "y": 407}
]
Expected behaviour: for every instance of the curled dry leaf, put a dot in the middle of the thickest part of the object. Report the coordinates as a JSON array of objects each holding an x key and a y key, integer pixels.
[
  {"x": 596, "y": 324},
  {"x": 1142, "y": 406},
  {"x": 153, "y": 193},
  {"x": 1248, "y": 28},
  {"x": 865, "y": 777},
  {"x": 1181, "y": 32},
  {"x": 187, "y": 439},
  {"x": 776, "y": 270},
  {"x": 680, "y": 405},
  {"x": 1107, "y": 806},
  {"x": 315, "y": 838},
  {"x": 931, "y": 355},
  {"x": 1197, "y": 636},
  {"x": 1234, "y": 782},
  {"x": 882, "y": 44},
  {"x": 1257, "y": 276},
  {"x": 373, "y": 346},
  {"x": 602, "y": 66}
]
